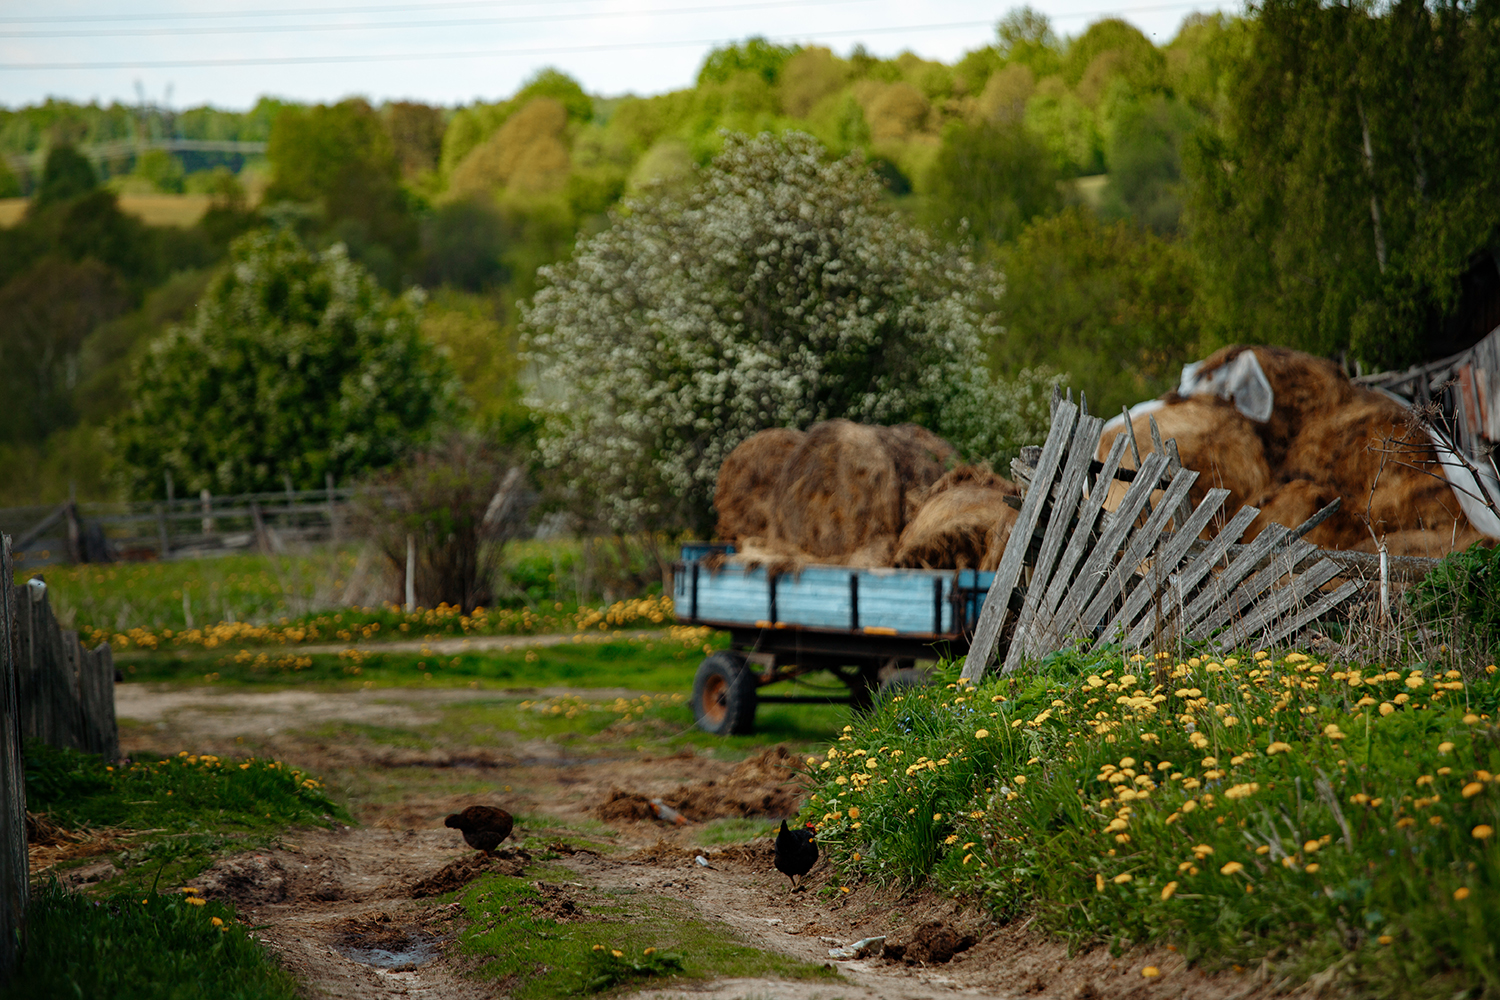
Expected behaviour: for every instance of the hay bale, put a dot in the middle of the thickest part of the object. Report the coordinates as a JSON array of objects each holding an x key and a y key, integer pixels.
[
  {"x": 747, "y": 481},
  {"x": 1213, "y": 439},
  {"x": 962, "y": 522},
  {"x": 840, "y": 490},
  {"x": 921, "y": 459}
]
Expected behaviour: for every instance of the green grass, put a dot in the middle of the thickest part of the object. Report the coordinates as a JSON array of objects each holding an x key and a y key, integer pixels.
[
  {"x": 1241, "y": 809},
  {"x": 516, "y": 942},
  {"x": 135, "y": 946},
  {"x": 195, "y": 807},
  {"x": 656, "y": 664}
]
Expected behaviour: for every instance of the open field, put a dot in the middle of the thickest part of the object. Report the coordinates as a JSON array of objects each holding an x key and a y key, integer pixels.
[{"x": 153, "y": 209}]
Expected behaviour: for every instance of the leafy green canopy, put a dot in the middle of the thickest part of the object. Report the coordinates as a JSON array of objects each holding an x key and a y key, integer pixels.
[
  {"x": 1353, "y": 175},
  {"x": 778, "y": 292},
  {"x": 296, "y": 364}
]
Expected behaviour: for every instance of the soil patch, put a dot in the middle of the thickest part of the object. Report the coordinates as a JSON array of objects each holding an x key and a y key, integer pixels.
[
  {"x": 932, "y": 943},
  {"x": 459, "y": 873},
  {"x": 767, "y": 785}
]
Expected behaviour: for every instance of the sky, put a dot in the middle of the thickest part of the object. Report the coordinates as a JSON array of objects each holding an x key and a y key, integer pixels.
[{"x": 185, "y": 53}]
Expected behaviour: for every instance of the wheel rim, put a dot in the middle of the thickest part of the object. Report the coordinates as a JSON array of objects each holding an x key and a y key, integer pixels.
[{"x": 715, "y": 699}]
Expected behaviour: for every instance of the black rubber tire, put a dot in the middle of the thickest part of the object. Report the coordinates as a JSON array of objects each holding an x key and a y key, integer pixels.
[
  {"x": 900, "y": 680},
  {"x": 724, "y": 695}
]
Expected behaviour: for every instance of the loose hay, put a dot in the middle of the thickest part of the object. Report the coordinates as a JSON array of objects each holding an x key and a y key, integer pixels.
[
  {"x": 840, "y": 490},
  {"x": 962, "y": 522}
]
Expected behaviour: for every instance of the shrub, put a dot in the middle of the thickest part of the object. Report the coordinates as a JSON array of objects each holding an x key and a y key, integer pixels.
[{"x": 1463, "y": 592}]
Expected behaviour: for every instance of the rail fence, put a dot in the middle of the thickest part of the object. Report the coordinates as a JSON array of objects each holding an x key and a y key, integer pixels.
[{"x": 177, "y": 527}]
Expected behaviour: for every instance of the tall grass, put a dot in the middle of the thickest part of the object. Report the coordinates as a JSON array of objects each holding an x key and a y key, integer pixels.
[
  {"x": 141, "y": 946},
  {"x": 1240, "y": 808}
]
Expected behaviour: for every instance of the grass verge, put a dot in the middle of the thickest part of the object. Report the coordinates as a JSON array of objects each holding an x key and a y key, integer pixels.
[
  {"x": 191, "y": 807},
  {"x": 1242, "y": 809},
  {"x": 607, "y": 939},
  {"x": 134, "y": 946}
]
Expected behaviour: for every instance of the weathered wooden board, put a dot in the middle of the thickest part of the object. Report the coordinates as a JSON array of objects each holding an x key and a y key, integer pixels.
[
  {"x": 15, "y": 871},
  {"x": 66, "y": 693},
  {"x": 1128, "y": 579}
]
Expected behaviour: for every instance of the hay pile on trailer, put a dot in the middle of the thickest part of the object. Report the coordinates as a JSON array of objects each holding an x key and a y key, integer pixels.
[
  {"x": 961, "y": 522},
  {"x": 1288, "y": 432},
  {"x": 858, "y": 495}
]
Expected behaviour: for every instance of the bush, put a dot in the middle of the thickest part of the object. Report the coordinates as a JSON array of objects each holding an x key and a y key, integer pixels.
[
  {"x": 1463, "y": 593},
  {"x": 296, "y": 364},
  {"x": 779, "y": 292}
]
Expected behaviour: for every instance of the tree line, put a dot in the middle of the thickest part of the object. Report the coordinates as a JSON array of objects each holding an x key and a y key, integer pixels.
[{"x": 1310, "y": 175}]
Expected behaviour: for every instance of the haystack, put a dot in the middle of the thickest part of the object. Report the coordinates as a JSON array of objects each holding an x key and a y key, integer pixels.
[
  {"x": 921, "y": 459},
  {"x": 747, "y": 482},
  {"x": 840, "y": 492},
  {"x": 962, "y": 522},
  {"x": 1324, "y": 437}
]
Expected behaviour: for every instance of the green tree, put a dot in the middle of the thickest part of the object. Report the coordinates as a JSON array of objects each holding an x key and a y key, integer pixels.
[
  {"x": 1352, "y": 176},
  {"x": 1108, "y": 303},
  {"x": 341, "y": 158},
  {"x": 1027, "y": 38},
  {"x": 780, "y": 291},
  {"x": 753, "y": 55},
  {"x": 67, "y": 174},
  {"x": 1144, "y": 149},
  {"x": 990, "y": 180},
  {"x": 160, "y": 169},
  {"x": 295, "y": 364}
]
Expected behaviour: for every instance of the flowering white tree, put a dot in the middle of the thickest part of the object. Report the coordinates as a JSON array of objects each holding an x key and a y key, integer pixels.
[{"x": 777, "y": 292}]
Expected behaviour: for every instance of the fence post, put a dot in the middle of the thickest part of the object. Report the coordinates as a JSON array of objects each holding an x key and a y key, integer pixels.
[
  {"x": 15, "y": 870},
  {"x": 206, "y": 504},
  {"x": 161, "y": 530},
  {"x": 333, "y": 511}
]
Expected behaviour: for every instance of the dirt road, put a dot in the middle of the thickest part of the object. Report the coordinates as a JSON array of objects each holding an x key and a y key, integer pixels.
[{"x": 350, "y": 909}]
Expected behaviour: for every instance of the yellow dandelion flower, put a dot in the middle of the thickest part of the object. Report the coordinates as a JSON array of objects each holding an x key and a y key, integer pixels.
[
  {"x": 1167, "y": 891},
  {"x": 218, "y": 922},
  {"x": 617, "y": 953},
  {"x": 1386, "y": 939},
  {"x": 854, "y": 812},
  {"x": 1123, "y": 877},
  {"x": 1263, "y": 849},
  {"x": 1386, "y": 708},
  {"x": 1312, "y": 869},
  {"x": 1312, "y": 846},
  {"x": 648, "y": 951},
  {"x": 196, "y": 900},
  {"x": 1099, "y": 883},
  {"x": 1483, "y": 831},
  {"x": 1445, "y": 748},
  {"x": 980, "y": 734},
  {"x": 1150, "y": 972},
  {"x": 1461, "y": 893},
  {"x": 1278, "y": 747},
  {"x": 1472, "y": 789},
  {"x": 1231, "y": 868}
]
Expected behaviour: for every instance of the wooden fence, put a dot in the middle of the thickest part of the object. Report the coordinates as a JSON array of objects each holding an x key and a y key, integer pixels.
[
  {"x": 53, "y": 690},
  {"x": 15, "y": 870},
  {"x": 175, "y": 527}
]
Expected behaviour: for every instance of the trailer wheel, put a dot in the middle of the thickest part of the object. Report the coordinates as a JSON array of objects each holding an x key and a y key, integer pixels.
[{"x": 724, "y": 695}]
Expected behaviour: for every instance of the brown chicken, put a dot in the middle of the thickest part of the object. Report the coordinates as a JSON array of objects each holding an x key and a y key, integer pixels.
[{"x": 483, "y": 827}]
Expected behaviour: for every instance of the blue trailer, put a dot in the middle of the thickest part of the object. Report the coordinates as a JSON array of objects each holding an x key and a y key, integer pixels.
[{"x": 866, "y": 627}]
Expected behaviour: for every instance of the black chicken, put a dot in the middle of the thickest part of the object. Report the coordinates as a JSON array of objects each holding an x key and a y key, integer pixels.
[
  {"x": 796, "y": 852},
  {"x": 483, "y": 827}
]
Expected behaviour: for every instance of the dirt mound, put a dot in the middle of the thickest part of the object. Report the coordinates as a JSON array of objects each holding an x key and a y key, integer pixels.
[
  {"x": 756, "y": 854},
  {"x": 662, "y": 853},
  {"x": 962, "y": 522},
  {"x": 256, "y": 879},
  {"x": 460, "y": 872},
  {"x": 747, "y": 482},
  {"x": 767, "y": 784},
  {"x": 557, "y": 903},
  {"x": 932, "y": 943}
]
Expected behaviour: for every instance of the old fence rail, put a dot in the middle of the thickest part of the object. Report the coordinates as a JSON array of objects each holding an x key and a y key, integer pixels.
[{"x": 175, "y": 527}]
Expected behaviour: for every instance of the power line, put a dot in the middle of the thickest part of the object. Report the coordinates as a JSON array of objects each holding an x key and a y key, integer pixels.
[
  {"x": 251, "y": 29},
  {"x": 399, "y": 8}
]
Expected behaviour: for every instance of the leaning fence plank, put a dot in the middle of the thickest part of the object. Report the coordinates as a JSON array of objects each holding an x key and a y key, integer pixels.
[
  {"x": 1097, "y": 567},
  {"x": 1283, "y": 601},
  {"x": 997, "y": 602},
  {"x": 1139, "y": 547},
  {"x": 1319, "y": 607},
  {"x": 15, "y": 871},
  {"x": 1283, "y": 562},
  {"x": 1065, "y": 505},
  {"x": 1189, "y": 578},
  {"x": 1163, "y": 565},
  {"x": 96, "y": 686},
  {"x": 1088, "y": 514}
]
